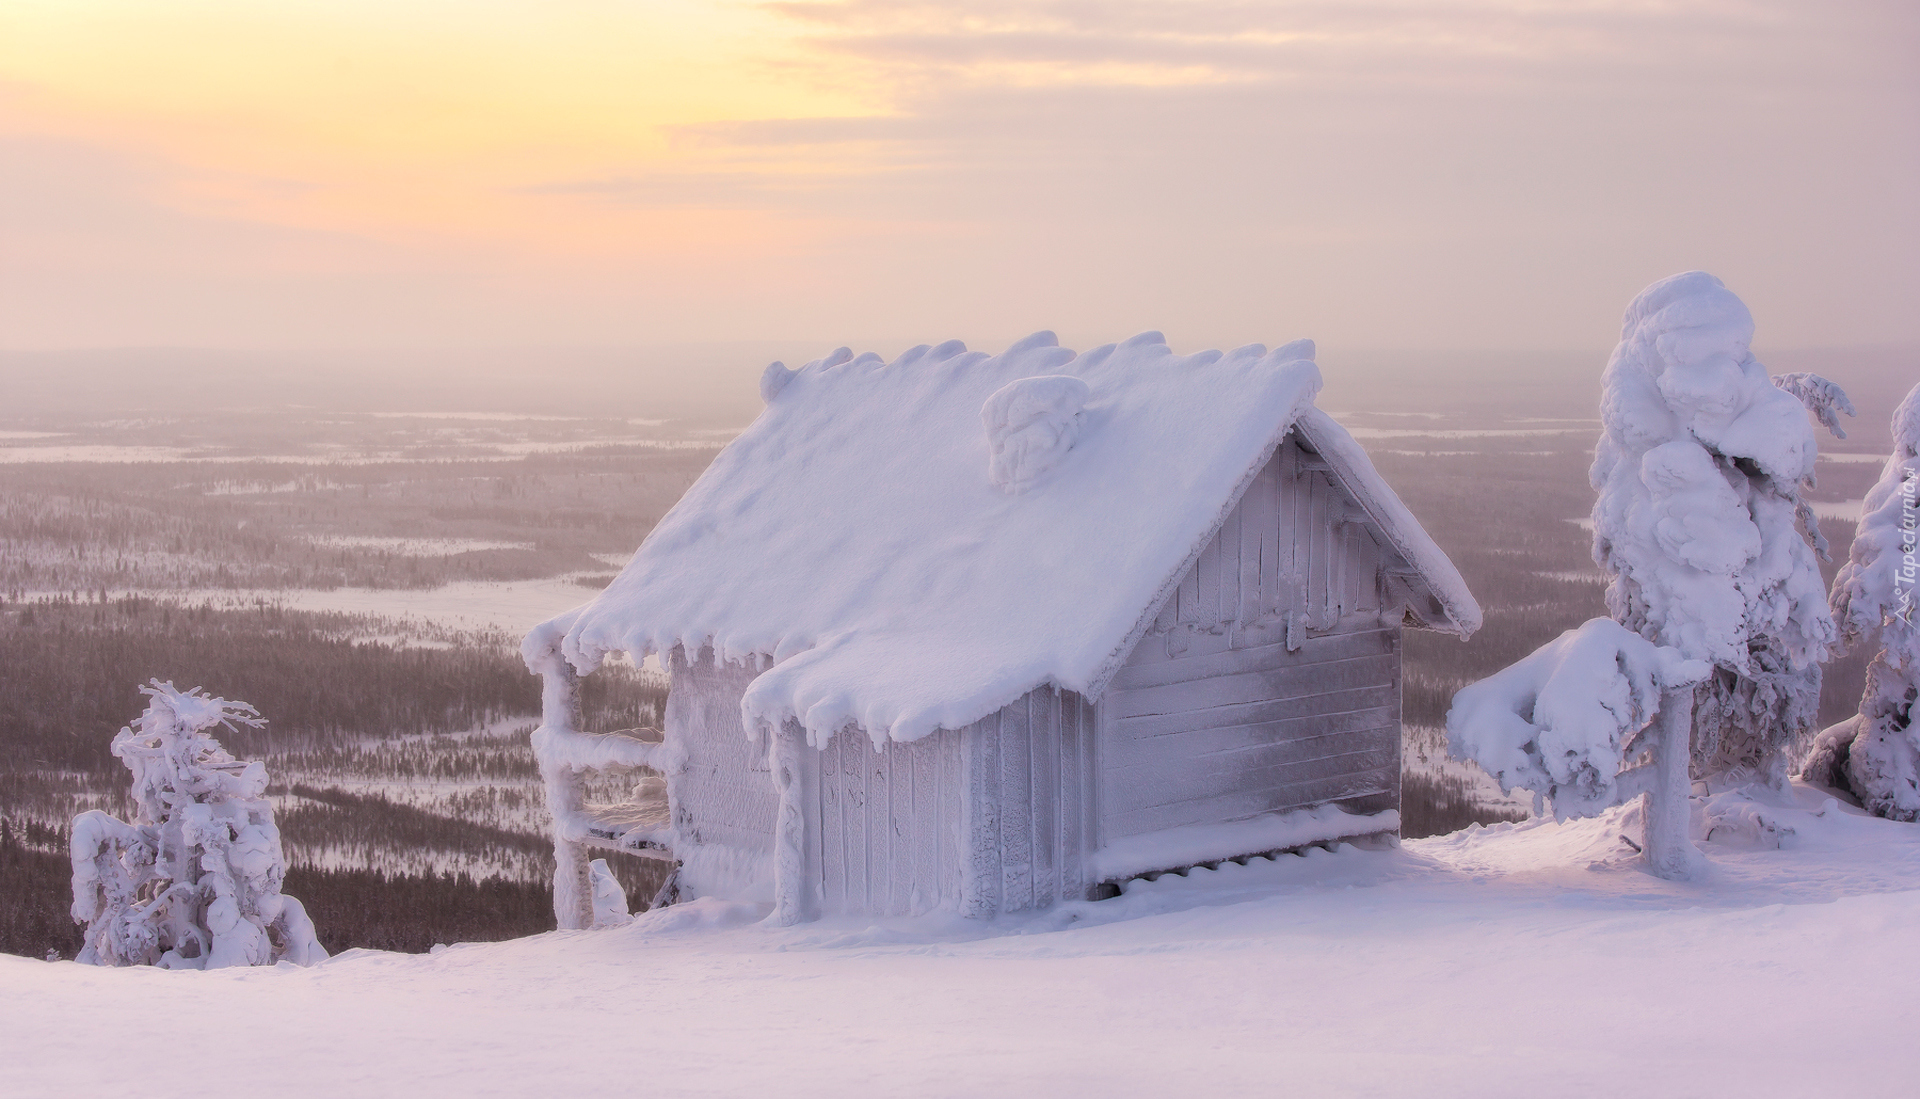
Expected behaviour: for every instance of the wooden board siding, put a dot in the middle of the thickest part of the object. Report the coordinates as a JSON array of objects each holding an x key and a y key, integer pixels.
[
  {"x": 884, "y": 824},
  {"x": 990, "y": 818},
  {"x": 724, "y": 794},
  {"x": 1271, "y": 679},
  {"x": 1028, "y": 814}
]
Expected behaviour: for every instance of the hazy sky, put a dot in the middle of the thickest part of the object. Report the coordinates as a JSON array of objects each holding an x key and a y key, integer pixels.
[{"x": 1454, "y": 173}]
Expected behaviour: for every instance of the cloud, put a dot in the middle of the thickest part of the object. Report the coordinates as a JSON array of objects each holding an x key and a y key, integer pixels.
[
  {"x": 1491, "y": 173},
  {"x": 1471, "y": 173},
  {"x": 1161, "y": 42},
  {"x": 108, "y": 248}
]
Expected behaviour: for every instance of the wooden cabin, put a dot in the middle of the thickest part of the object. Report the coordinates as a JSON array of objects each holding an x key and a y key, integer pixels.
[{"x": 980, "y": 634}]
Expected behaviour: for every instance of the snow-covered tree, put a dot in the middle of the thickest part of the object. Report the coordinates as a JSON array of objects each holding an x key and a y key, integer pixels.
[
  {"x": 1590, "y": 720},
  {"x": 1700, "y": 520},
  {"x": 1876, "y": 753},
  {"x": 193, "y": 882}
]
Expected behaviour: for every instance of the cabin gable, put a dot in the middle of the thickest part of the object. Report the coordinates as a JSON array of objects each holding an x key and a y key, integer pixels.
[{"x": 1270, "y": 679}]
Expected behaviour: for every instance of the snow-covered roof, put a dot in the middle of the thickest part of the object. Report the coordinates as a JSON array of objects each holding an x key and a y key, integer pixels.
[{"x": 915, "y": 544}]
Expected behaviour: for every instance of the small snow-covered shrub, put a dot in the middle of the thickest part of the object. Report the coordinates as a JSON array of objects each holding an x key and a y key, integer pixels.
[
  {"x": 1576, "y": 723},
  {"x": 193, "y": 882},
  {"x": 1876, "y": 753},
  {"x": 609, "y": 896},
  {"x": 1700, "y": 522}
]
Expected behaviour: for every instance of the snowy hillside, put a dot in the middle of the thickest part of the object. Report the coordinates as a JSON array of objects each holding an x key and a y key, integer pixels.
[{"x": 1515, "y": 960}]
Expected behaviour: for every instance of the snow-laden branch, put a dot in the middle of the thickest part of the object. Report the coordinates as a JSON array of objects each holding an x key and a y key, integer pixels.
[
  {"x": 1566, "y": 721},
  {"x": 1825, "y": 399},
  {"x": 1592, "y": 719}
]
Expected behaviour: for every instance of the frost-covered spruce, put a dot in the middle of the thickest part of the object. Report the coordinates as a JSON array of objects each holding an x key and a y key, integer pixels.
[
  {"x": 1699, "y": 520},
  {"x": 193, "y": 882},
  {"x": 1876, "y": 753}
]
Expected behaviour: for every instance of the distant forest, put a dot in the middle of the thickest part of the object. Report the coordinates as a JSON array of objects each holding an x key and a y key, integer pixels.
[
  {"x": 83, "y": 527},
  {"x": 69, "y": 672},
  {"x": 350, "y": 908}
]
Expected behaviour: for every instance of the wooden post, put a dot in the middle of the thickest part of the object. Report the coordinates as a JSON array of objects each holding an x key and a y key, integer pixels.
[
  {"x": 1670, "y": 850},
  {"x": 791, "y": 892},
  {"x": 559, "y": 715},
  {"x": 572, "y": 888}
]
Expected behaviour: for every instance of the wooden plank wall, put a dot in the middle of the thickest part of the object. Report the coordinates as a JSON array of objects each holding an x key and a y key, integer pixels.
[
  {"x": 725, "y": 794},
  {"x": 987, "y": 819},
  {"x": 996, "y": 817},
  {"x": 1271, "y": 681},
  {"x": 1028, "y": 811},
  {"x": 884, "y": 824}
]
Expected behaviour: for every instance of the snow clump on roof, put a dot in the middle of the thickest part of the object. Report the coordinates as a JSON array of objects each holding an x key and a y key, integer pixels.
[{"x": 1031, "y": 424}]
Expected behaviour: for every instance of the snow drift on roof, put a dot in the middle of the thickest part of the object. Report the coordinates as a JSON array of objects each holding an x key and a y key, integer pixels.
[{"x": 855, "y": 533}]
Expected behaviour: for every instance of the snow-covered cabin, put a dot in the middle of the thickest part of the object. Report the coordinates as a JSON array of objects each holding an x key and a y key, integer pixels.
[{"x": 980, "y": 633}]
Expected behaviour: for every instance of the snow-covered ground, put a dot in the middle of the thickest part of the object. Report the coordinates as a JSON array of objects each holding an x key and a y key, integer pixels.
[
  {"x": 510, "y": 606},
  {"x": 1516, "y": 960},
  {"x": 463, "y": 449},
  {"x": 418, "y": 547}
]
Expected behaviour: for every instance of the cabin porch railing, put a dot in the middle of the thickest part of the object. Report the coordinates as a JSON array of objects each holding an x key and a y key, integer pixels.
[{"x": 567, "y": 757}]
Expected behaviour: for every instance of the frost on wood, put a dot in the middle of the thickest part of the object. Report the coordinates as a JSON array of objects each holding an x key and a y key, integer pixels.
[
  {"x": 1700, "y": 521},
  {"x": 843, "y": 573},
  {"x": 1876, "y": 753},
  {"x": 193, "y": 882},
  {"x": 1031, "y": 424},
  {"x": 852, "y": 537}
]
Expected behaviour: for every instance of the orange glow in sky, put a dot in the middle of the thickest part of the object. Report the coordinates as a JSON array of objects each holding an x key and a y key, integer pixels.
[
  {"x": 1469, "y": 172},
  {"x": 428, "y": 119}
]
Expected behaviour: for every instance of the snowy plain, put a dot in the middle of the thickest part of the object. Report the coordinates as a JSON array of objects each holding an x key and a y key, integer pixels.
[
  {"x": 510, "y": 607},
  {"x": 1514, "y": 960}
]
